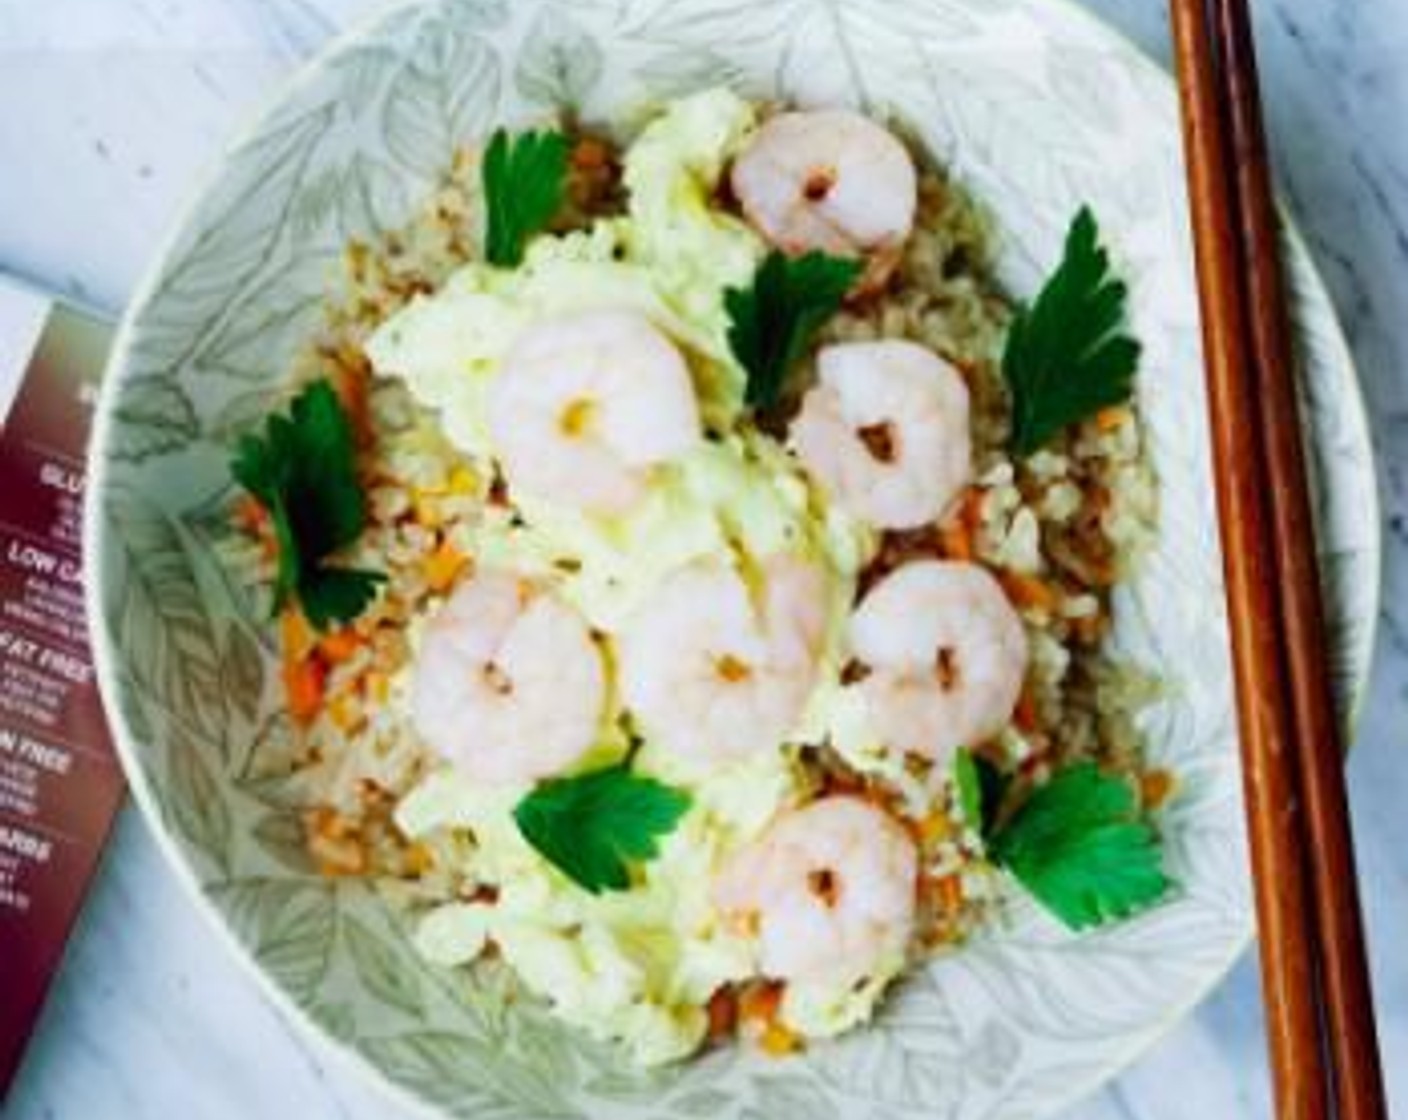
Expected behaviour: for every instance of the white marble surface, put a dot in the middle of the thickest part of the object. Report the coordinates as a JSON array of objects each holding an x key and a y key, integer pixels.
[{"x": 109, "y": 108}]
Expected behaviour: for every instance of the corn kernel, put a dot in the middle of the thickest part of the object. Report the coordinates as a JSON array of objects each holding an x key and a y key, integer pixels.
[
  {"x": 778, "y": 1041},
  {"x": 462, "y": 481}
]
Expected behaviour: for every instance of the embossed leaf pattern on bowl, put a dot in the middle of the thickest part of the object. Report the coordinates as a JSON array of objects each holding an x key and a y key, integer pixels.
[{"x": 1037, "y": 109}]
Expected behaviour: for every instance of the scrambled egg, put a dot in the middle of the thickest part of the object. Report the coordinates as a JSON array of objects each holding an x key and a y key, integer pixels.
[{"x": 638, "y": 966}]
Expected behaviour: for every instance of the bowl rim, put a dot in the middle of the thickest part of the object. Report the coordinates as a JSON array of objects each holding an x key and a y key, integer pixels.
[{"x": 106, "y": 662}]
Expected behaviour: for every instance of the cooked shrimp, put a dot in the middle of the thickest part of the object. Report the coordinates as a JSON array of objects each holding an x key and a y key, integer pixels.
[
  {"x": 713, "y": 673},
  {"x": 829, "y": 180},
  {"x": 947, "y": 656},
  {"x": 829, "y": 890},
  {"x": 509, "y": 685},
  {"x": 585, "y": 404},
  {"x": 885, "y": 431}
]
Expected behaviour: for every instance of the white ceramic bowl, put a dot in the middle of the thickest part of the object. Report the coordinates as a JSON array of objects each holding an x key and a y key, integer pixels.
[{"x": 1037, "y": 108}]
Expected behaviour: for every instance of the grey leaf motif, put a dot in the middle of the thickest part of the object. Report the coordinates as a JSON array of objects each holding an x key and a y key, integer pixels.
[
  {"x": 559, "y": 63},
  {"x": 1079, "y": 77},
  {"x": 550, "y": 1047},
  {"x": 890, "y": 22},
  {"x": 441, "y": 99},
  {"x": 240, "y": 224},
  {"x": 281, "y": 836},
  {"x": 289, "y": 926},
  {"x": 266, "y": 333},
  {"x": 790, "y": 1097},
  {"x": 991, "y": 121},
  {"x": 241, "y": 414},
  {"x": 388, "y": 979},
  {"x": 701, "y": 1103},
  {"x": 1097, "y": 985},
  {"x": 673, "y": 72},
  {"x": 195, "y": 802},
  {"x": 317, "y": 202},
  {"x": 364, "y": 69},
  {"x": 337, "y": 1019},
  {"x": 134, "y": 713},
  {"x": 158, "y": 613},
  {"x": 280, "y": 792},
  {"x": 478, "y": 15},
  {"x": 916, "y": 1052},
  {"x": 465, "y": 1075},
  {"x": 993, "y": 1054},
  {"x": 372, "y": 198},
  {"x": 266, "y": 775},
  {"x": 622, "y": 1083},
  {"x": 153, "y": 417},
  {"x": 689, "y": 23},
  {"x": 242, "y": 673}
]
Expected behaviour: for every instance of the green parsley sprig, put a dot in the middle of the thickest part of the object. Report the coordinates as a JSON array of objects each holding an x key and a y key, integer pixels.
[
  {"x": 303, "y": 472},
  {"x": 525, "y": 182},
  {"x": 1067, "y": 355},
  {"x": 1079, "y": 843},
  {"x": 772, "y": 320},
  {"x": 592, "y": 827}
]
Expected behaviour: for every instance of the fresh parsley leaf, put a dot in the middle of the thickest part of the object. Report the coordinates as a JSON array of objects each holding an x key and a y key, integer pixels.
[
  {"x": 333, "y": 595},
  {"x": 525, "y": 181},
  {"x": 1067, "y": 356},
  {"x": 593, "y": 826},
  {"x": 303, "y": 471},
  {"x": 1080, "y": 846},
  {"x": 981, "y": 788},
  {"x": 771, "y": 322}
]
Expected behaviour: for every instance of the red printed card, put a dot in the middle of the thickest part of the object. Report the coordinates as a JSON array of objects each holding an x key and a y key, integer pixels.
[{"x": 60, "y": 785}]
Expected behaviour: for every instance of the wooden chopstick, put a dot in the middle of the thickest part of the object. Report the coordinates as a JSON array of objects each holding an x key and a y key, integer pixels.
[
  {"x": 1307, "y": 905},
  {"x": 1345, "y": 987},
  {"x": 1280, "y": 873}
]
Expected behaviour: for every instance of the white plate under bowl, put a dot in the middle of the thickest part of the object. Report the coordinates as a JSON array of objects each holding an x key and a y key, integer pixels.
[{"x": 1037, "y": 108}]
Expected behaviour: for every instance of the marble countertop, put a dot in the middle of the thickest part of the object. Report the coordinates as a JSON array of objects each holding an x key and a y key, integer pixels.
[{"x": 108, "y": 110}]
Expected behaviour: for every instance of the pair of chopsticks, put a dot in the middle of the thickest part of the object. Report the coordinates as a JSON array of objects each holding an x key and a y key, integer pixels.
[{"x": 1315, "y": 978}]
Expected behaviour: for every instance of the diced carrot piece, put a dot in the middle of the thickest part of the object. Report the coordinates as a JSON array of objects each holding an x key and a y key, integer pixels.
[
  {"x": 351, "y": 380},
  {"x": 1025, "y": 717},
  {"x": 589, "y": 154},
  {"x": 297, "y": 635},
  {"x": 957, "y": 541},
  {"x": 1101, "y": 572},
  {"x": 338, "y": 858},
  {"x": 936, "y": 826},
  {"x": 250, "y": 515},
  {"x": 1089, "y": 628},
  {"x": 1156, "y": 787},
  {"x": 338, "y": 646},
  {"x": 1108, "y": 419},
  {"x": 778, "y": 1041},
  {"x": 949, "y": 892},
  {"x": 723, "y": 1013},
  {"x": 377, "y": 686},
  {"x": 443, "y": 566},
  {"x": 760, "y": 1002},
  {"x": 334, "y": 843},
  {"x": 418, "y": 859},
  {"x": 304, "y": 681},
  {"x": 971, "y": 510},
  {"x": 1029, "y": 591}
]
